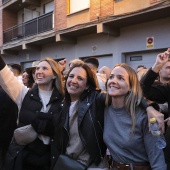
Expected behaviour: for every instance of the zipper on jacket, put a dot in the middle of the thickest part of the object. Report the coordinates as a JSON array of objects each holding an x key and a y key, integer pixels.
[
  {"x": 68, "y": 137},
  {"x": 100, "y": 125},
  {"x": 96, "y": 135}
]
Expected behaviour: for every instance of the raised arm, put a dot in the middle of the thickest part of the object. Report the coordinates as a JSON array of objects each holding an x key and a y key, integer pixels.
[
  {"x": 11, "y": 85},
  {"x": 153, "y": 92},
  {"x": 161, "y": 59}
]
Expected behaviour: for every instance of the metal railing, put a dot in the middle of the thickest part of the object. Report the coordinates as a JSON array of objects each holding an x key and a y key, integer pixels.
[
  {"x": 35, "y": 26},
  {"x": 4, "y": 1}
]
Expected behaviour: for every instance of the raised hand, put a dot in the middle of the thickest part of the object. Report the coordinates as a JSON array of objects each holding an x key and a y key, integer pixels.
[
  {"x": 161, "y": 59},
  {"x": 62, "y": 64}
]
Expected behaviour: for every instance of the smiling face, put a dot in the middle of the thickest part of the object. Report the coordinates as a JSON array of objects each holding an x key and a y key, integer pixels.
[
  {"x": 118, "y": 83},
  {"x": 76, "y": 83},
  {"x": 44, "y": 75}
]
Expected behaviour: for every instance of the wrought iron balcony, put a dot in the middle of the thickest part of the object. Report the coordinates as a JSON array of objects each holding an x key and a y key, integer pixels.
[{"x": 35, "y": 26}]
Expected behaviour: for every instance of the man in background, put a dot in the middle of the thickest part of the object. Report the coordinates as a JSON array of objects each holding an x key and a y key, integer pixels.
[
  {"x": 16, "y": 69},
  {"x": 93, "y": 63}
]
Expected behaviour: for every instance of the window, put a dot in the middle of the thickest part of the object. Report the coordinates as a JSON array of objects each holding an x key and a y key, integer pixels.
[
  {"x": 136, "y": 58},
  {"x": 78, "y": 5},
  {"x": 49, "y": 7}
]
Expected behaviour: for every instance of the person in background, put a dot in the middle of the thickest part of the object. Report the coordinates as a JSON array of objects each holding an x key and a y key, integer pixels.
[
  {"x": 27, "y": 79},
  {"x": 126, "y": 131},
  {"x": 93, "y": 63},
  {"x": 141, "y": 73},
  {"x": 16, "y": 69},
  {"x": 159, "y": 93},
  {"x": 8, "y": 123},
  {"x": 164, "y": 73},
  {"x": 71, "y": 64},
  {"x": 31, "y": 70},
  {"x": 75, "y": 61},
  {"x": 140, "y": 67},
  {"x": 105, "y": 70},
  {"x": 37, "y": 106}
]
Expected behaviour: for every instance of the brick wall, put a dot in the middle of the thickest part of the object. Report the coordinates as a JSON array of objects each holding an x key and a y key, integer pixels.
[
  {"x": 101, "y": 7},
  {"x": 60, "y": 14},
  {"x": 9, "y": 19}
]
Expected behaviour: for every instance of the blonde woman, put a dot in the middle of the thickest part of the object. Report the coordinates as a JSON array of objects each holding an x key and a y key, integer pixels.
[{"x": 126, "y": 132}]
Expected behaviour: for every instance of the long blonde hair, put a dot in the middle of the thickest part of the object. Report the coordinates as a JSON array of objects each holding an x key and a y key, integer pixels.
[
  {"x": 134, "y": 96},
  {"x": 58, "y": 83}
]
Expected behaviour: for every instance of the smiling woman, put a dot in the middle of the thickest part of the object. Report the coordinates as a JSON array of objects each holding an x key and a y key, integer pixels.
[
  {"x": 76, "y": 83},
  {"x": 37, "y": 106},
  {"x": 132, "y": 145},
  {"x": 82, "y": 119}
]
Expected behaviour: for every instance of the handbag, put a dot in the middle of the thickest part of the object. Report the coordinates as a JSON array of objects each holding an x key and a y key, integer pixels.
[
  {"x": 66, "y": 163},
  {"x": 25, "y": 135}
]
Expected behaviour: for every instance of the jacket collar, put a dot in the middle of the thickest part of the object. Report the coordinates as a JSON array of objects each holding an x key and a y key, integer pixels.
[
  {"x": 34, "y": 93},
  {"x": 84, "y": 106}
]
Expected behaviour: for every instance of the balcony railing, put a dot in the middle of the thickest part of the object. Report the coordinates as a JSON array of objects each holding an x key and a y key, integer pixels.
[
  {"x": 35, "y": 26},
  {"x": 4, "y": 1}
]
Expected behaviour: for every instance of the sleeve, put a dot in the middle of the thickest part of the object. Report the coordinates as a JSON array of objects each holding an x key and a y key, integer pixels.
[
  {"x": 15, "y": 89},
  {"x": 157, "y": 93},
  {"x": 44, "y": 124},
  {"x": 2, "y": 63},
  {"x": 155, "y": 155},
  {"x": 144, "y": 103}
]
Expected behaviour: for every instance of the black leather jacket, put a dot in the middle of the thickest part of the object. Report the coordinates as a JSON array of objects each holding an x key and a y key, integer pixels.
[{"x": 90, "y": 126}]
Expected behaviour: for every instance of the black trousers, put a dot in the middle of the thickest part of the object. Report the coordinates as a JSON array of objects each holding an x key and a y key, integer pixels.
[{"x": 2, "y": 157}]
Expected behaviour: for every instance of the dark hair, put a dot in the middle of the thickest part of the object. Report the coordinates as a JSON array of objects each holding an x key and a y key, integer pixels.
[
  {"x": 30, "y": 78},
  {"x": 16, "y": 66},
  {"x": 92, "y": 60},
  {"x": 91, "y": 80}
]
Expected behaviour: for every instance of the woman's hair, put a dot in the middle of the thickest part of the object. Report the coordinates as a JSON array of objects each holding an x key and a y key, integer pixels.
[
  {"x": 92, "y": 81},
  {"x": 57, "y": 72},
  {"x": 134, "y": 96},
  {"x": 30, "y": 79},
  {"x": 75, "y": 61}
]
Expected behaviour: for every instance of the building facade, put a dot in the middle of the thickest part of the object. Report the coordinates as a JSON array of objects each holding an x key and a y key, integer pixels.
[{"x": 114, "y": 31}]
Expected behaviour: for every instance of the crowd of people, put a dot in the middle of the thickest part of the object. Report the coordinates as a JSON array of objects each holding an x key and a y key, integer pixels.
[{"x": 79, "y": 113}]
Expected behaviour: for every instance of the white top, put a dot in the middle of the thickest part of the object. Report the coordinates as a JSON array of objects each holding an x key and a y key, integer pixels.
[{"x": 72, "y": 107}]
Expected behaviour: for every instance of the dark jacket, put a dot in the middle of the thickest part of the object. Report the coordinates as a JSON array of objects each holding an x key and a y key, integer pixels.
[
  {"x": 30, "y": 111},
  {"x": 90, "y": 126},
  {"x": 8, "y": 122},
  {"x": 160, "y": 94},
  {"x": 8, "y": 118},
  {"x": 43, "y": 123}
]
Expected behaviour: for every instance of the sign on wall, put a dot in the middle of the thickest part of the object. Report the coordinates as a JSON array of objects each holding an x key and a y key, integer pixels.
[{"x": 149, "y": 42}]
